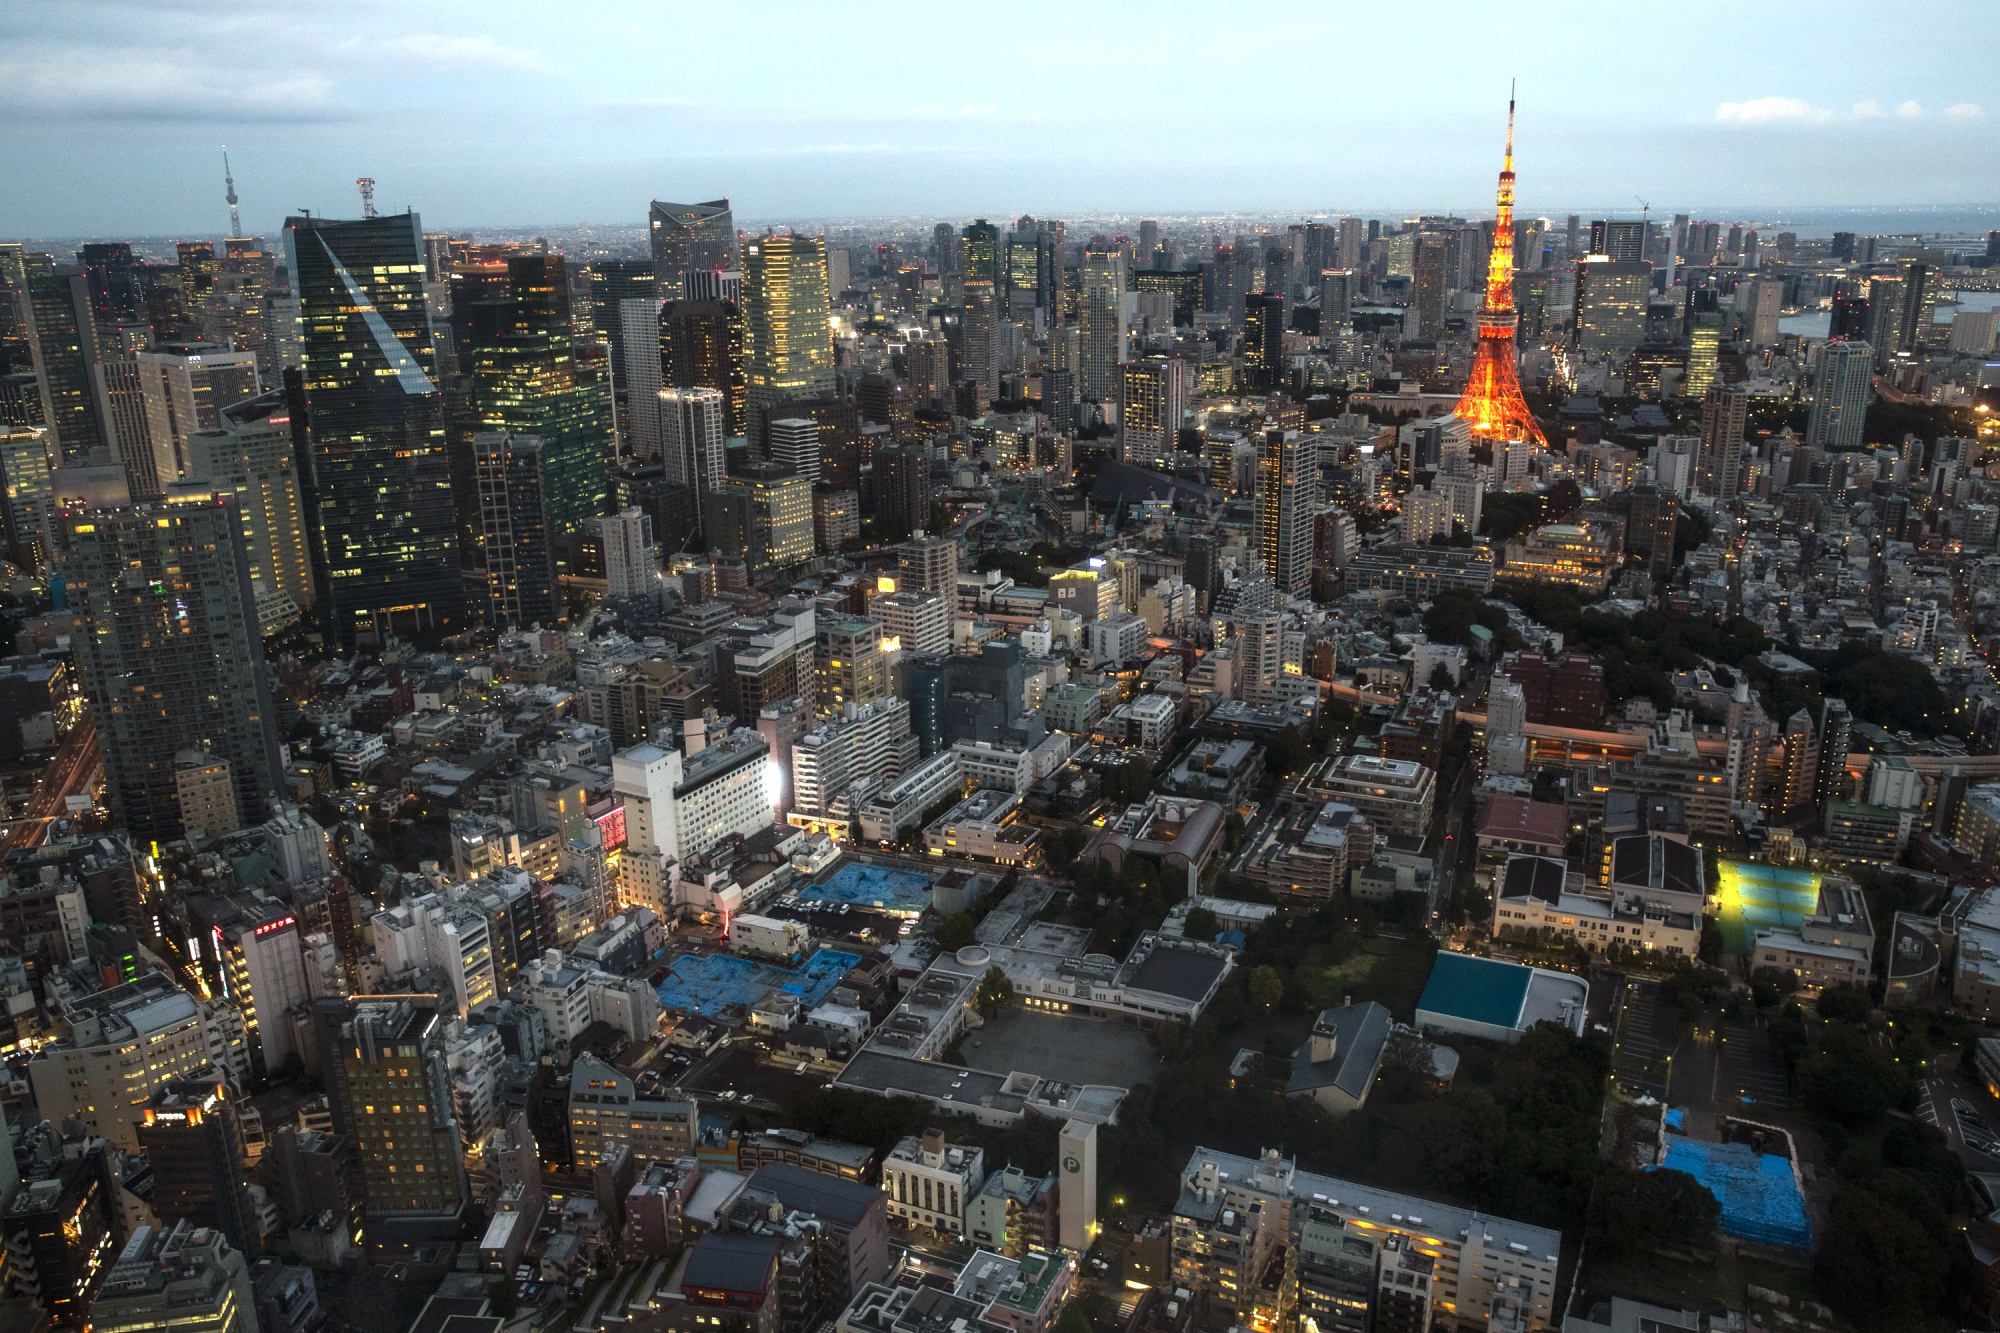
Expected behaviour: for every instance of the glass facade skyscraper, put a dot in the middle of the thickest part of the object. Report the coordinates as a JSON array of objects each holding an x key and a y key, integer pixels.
[
  {"x": 687, "y": 237},
  {"x": 786, "y": 314},
  {"x": 374, "y": 428},
  {"x": 526, "y": 380}
]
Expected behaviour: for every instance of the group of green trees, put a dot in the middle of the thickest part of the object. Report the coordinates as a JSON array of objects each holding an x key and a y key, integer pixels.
[{"x": 1890, "y": 1255}]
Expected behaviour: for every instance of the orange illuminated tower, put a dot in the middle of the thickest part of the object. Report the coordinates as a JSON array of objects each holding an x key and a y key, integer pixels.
[{"x": 1492, "y": 400}]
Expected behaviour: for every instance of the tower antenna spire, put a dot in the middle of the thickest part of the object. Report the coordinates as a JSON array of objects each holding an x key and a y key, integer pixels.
[
  {"x": 1492, "y": 401},
  {"x": 229, "y": 193}
]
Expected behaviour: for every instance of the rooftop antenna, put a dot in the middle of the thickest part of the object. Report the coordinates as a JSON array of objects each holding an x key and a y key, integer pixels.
[
  {"x": 366, "y": 185},
  {"x": 229, "y": 188}
]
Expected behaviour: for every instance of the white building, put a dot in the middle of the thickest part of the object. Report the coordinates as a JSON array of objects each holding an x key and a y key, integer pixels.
[
  {"x": 1117, "y": 639},
  {"x": 841, "y": 762},
  {"x": 679, "y": 806},
  {"x": 118, "y": 1047},
  {"x": 894, "y": 810},
  {"x": 693, "y": 437},
  {"x": 929, "y": 1182},
  {"x": 473, "y": 1060},
  {"x": 430, "y": 932},
  {"x": 795, "y": 445},
  {"x": 920, "y": 622},
  {"x": 985, "y": 764},
  {"x": 631, "y": 562}
]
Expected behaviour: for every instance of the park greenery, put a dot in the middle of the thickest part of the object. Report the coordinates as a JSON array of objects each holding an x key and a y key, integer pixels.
[
  {"x": 1634, "y": 1212},
  {"x": 1640, "y": 654}
]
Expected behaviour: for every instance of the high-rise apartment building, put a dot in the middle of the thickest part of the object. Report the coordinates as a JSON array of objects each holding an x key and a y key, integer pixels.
[
  {"x": 794, "y": 446},
  {"x": 788, "y": 335},
  {"x": 374, "y": 428},
  {"x": 1723, "y": 414},
  {"x": 928, "y": 564},
  {"x": 250, "y": 456},
  {"x": 184, "y": 387},
  {"x": 170, "y": 654},
  {"x": 1152, "y": 401},
  {"x": 631, "y": 561},
  {"x": 1287, "y": 499},
  {"x": 517, "y": 535},
  {"x": 641, "y": 373},
  {"x": 1433, "y": 282},
  {"x": 1840, "y": 395},
  {"x": 1101, "y": 317},
  {"x": 692, "y": 433},
  {"x": 689, "y": 237},
  {"x": 899, "y": 490},
  {"x": 849, "y": 663},
  {"x": 977, "y": 362}
]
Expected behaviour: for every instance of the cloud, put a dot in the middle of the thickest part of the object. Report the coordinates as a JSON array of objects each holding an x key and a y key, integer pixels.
[
  {"x": 1963, "y": 111},
  {"x": 1772, "y": 111},
  {"x": 1866, "y": 111},
  {"x": 160, "y": 85},
  {"x": 442, "y": 50},
  {"x": 1910, "y": 111}
]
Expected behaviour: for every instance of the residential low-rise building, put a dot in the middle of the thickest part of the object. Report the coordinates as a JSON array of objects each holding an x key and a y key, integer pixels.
[{"x": 1395, "y": 794}]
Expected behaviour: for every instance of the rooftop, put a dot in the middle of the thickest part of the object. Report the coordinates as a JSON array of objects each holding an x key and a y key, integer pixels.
[{"x": 1525, "y": 821}]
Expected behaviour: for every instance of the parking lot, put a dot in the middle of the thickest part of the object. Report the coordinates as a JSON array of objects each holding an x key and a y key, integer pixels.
[
  {"x": 1642, "y": 1058},
  {"x": 1749, "y": 1075},
  {"x": 1966, "y": 1117}
]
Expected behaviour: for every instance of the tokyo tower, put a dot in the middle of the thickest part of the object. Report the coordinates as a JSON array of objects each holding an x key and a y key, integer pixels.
[{"x": 1492, "y": 400}]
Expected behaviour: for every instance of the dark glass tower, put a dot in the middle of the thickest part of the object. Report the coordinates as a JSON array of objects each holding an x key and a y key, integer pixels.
[
  {"x": 612, "y": 282},
  {"x": 520, "y": 563},
  {"x": 701, "y": 347},
  {"x": 687, "y": 237},
  {"x": 170, "y": 654},
  {"x": 374, "y": 428},
  {"x": 63, "y": 338},
  {"x": 526, "y": 381}
]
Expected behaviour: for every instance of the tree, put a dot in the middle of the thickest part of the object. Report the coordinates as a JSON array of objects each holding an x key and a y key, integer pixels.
[
  {"x": 1876, "y": 1265},
  {"x": 1844, "y": 1004},
  {"x": 994, "y": 993},
  {"x": 1632, "y": 1212},
  {"x": 954, "y": 932},
  {"x": 1266, "y": 987},
  {"x": 1201, "y": 924}
]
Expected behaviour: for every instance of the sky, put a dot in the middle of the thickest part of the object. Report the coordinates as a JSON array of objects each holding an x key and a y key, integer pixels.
[{"x": 503, "y": 114}]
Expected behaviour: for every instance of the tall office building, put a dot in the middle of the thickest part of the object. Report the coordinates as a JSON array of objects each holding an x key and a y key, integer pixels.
[
  {"x": 527, "y": 380},
  {"x": 521, "y": 587},
  {"x": 62, "y": 339},
  {"x": 898, "y": 490},
  {"x": 978, "y": 362},
  {"x": 692, "y": 433},
  {"x": 979, "y": 252},
  {"x": 688, "y": 237},
  {"x": 1611, "y": 300},
  {"x": 766, "y": 516},
  {"x": 795, "y": 446},
  {"x": 631, "y": 562},
  {"x": 1767, "y": 303},
  {"x": 374, "y": 429},
  {"x": 1920, "y": 296},
  {"x": 613, "y": 282},
  {"x": 928, "y": 564},
  {"x": 1101, "y": 315},
  {"x": 1337, "y": 289},
  {"x": 168, "y": 649},
  {"x": 1622, "y": 242},
  {"x": 1886, "y": 300},
  {"x": 194, "y": 1145},
  {"x": 786, "y": 322},
  {"x": 1432, "y": 284},
  {"x": 184, "y": 387},
  {"x": 1287, "y": 499},
  {"x": 250, "y": 455},
  {"x": 384, "y": 1054},
  {"x": 701, "y": 347},
  {"x": 121, "y": 407},
  {"x": 1264, "y": 341},
  {"x": 1723, "y": 413},
  {"x": 1840, "y": 395},
  {"x": 642, "y": 374}
]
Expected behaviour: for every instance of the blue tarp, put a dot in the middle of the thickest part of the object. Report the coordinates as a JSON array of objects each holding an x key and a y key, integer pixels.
[
  {"x": 858, "y": 885},
  {"x": 726, "y": 986},
  {"x": 1758, "y": 1192}
]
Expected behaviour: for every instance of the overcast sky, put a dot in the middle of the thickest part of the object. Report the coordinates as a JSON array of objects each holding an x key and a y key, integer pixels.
[{"x": 504, "y": 113}]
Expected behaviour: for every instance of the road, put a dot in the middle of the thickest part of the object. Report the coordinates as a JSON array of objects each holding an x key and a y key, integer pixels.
[{"x": 69, "y": 774}]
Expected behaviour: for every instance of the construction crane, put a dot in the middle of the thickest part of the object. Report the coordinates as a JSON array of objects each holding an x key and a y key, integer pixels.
[
  {"x": 229, "y": 189},
  {"x": 366, "y": 185},
  {"x": 1644, "y": 208}
]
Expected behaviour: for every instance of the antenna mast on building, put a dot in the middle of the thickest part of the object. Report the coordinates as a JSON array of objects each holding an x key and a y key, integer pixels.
[
  {"x": 229, "y": 188},
  {"x": 367, "y": 187}
]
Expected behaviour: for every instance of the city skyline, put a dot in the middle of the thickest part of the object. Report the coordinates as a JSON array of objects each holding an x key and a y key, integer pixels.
[{"x": 129, "y": 107}]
